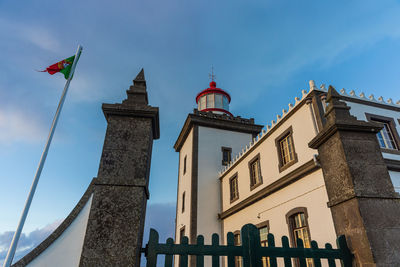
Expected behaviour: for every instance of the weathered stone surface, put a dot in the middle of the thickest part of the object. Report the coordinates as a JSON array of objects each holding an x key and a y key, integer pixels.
[
  {"x": 115, "y": 227},
  {"x": 127, "y": 151},
  {"x": 364, "y": 205},
  {"x": 114, "y": 232}
]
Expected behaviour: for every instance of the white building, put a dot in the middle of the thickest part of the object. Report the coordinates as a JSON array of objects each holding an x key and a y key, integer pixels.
[{"x": 233, "y": 172}]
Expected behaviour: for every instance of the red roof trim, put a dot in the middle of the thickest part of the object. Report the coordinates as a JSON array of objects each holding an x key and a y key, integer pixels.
[
  {"x": 217, "y": 109},
  {"x": 213, "y": 91}
]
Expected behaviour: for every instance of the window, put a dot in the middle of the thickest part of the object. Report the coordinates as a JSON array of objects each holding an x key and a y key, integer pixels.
[
  {"x": 264, "y": 230},
  {"x": 218, "y": 101},
  {"x": 210, "y": 101},
  {"x": 285, "y": 146},
  {"x": 203, "y": 102},
  {"x": 385, "y": 137},
  {"x": 298, "y": 229},
  {"x": 238, "y": 259},
  {"x": 225, "y": 103},
  {"x": 255, "y": 172},
  {"x": 388, "y": 137},
  {"x": 184, "y": 165},
  {"x": 226, "y": 155},
  {"x": 183, "y": 202},
  {"x": 234, "y": 189}
]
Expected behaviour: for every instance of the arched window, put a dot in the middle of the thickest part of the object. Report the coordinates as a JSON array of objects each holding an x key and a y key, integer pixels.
[{"x": 297, "y": 220}]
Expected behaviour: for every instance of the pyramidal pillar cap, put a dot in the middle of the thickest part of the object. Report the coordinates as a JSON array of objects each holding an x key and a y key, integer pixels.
[
  {"x": 140, "y": 78},
  {"x": 137, "y": 93},
  {"x": 135, "y": 105}
]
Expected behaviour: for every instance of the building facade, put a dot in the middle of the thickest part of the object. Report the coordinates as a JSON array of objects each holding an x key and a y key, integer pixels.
[{"x": 269, "y": 176}]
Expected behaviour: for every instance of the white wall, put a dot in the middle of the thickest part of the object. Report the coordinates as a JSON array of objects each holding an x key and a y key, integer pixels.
[
  {"x": 66, "y": 250},
  {"x": 185, "y": 183},
  {"x": 303, "y": 132},
  {"x": 210, "y": 163}
]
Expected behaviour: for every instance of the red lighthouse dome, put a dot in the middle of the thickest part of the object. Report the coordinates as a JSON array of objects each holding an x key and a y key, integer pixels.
[{"x": 214, "y": 99}]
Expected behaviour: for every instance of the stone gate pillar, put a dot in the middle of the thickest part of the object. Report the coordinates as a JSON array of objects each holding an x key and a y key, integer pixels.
[
  {"x": 115, "y": 227},
  {"x": 365, "y": 208}
]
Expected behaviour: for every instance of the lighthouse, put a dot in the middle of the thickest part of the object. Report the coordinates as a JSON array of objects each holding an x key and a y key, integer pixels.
[{"x": 206, "y": 143}]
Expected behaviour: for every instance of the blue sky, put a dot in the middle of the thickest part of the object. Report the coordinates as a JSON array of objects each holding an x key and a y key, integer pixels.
[{"x": 263, "y": 53}]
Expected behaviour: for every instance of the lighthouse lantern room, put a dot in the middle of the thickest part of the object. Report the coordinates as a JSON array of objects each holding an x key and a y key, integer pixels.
[{"x": 214, "y": 99}]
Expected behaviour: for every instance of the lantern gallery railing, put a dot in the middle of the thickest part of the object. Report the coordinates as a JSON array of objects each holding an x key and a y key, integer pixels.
[{"x": 250, "y": 250}]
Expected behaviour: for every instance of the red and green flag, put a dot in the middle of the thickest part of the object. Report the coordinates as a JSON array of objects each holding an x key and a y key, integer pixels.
[{"x": 64, "y": 66}]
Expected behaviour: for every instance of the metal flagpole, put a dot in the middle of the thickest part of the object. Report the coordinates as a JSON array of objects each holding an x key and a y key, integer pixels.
[{"x": 17, "y": 234}]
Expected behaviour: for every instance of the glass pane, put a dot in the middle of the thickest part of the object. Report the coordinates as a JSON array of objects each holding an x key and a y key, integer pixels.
[
  {"x": 297, "y": 221},
  {"x": 225, "y": 155},
  {"x": 385, "y": 136},
  {"x": 263, "y": 235},
  {"x": 203, "y": 102},
  {"x": 380, "y": 139},
  {"x": 389, "y": 136},
  {"x": 287, "y": 150},
  {"x": 210, "y": 101},
  {"x": 255, "y": 172},
  {"x": 235, "y": 187},
  {"x": 302, "y": 219},
  {"x": 218, "y": 101},
  {"x": 225, "y": 103}
]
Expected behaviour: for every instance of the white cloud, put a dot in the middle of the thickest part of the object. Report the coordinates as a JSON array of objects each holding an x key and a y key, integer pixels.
[
  {"x": 30, "y": 33},
  {"x": 27, "y": 242},
  {"x": 17, "y": 126},
  {"x": 85, "y": 88}
]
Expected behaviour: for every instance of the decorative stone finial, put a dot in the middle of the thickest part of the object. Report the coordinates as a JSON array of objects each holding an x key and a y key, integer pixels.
[
  {"x": 140, "y": 76},
  {"x": 312, "y": 85},
  {"x": 137, "y": 94},
  {"x": 337, "y": 109}
]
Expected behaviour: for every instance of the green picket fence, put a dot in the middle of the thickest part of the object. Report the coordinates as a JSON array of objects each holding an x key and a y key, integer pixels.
[{"x": 250, "y": 250}]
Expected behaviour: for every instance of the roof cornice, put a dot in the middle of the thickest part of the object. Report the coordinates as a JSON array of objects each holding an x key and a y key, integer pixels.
[{"x": 224, "y": 122}]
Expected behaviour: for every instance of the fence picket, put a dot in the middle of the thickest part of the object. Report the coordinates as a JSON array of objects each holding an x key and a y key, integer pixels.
[
  {"x": 215, "y": 243},
  {"x": 200, "y": 245},
  {"x": 347, "y": 257},
  {"x": 152, "y": 249},
  {"x": 285, "y": 244},
  {"x": 184, "y": 257},
  {"x": 245, "y": 245},
  {"x": 317, "y": 261},
  {"x": 302, "y": 259},
  {"x": 230, "y": 240},
  {"x": 271, "y": 244},
  {"x": 331, "y": 262},
  {"x": 168, "y": 257}
]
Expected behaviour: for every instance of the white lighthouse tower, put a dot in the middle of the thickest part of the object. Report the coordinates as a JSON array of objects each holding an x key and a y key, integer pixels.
[{"x": 207, "y": 141}]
